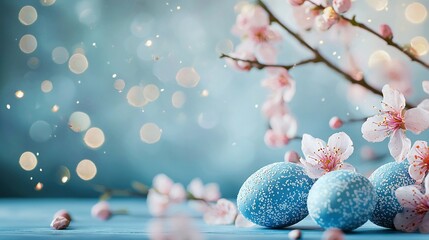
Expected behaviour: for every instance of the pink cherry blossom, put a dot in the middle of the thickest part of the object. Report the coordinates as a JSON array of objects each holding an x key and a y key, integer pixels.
[
  {"x": 321, "y": 158},
  {"x": 296, "y": 2},
  {"x": 341, "y": 6},
  {"x": 242, "y": 222},
  {"x": 60, "y": 223},
  {"x": 415, "y": 215},
  {"x": 63, "y": 213},
  {"x": 250, "y": 16},
  {"x": 101, "y": 210},
  {"x": 274, "y": 105},
  {"x": 280, "y": 80},
  {"x": 335, "y": 122},
  {"x": 392, "y": 121},
  {"x": 385, "y": 31},
  {"x": 263, "y": 40},
  {"x": 223, "y": 213},
  {"x": 419, "y": 161},
  {"x": 283, "y": 128},
  {"x": 245, "y": 52},
  {"x": 330, "y": 16},
  {"x": 157, "y": 203},
  {"x": 209, "y": 192},
  {"x": 275, "y": 139},
  {"x": 294, "y": 234},
  {"x": 321, "y": 24},
  {"x": 333, "y": 234},
  {"x": 292, "y": 156},
  {"x": 163, "y": 193}
]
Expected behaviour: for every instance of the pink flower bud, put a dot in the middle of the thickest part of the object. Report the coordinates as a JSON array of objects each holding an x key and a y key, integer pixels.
[
  {"x": 341, "y": 6},
  {"x": 333, "y": 234},
  {"x": 60, "y": 223},
  {"x": 101, "y": 210},
  {"x": 335, "y": 122},
  {"x": 294, "y": 234},
  {"x": 296, "y": 2},
  {"x": 291, "y": 156},
  {"x": 385, "y": 31},
  {"x": 63, "y": 213},
  {"x": 274, "y": 139}
]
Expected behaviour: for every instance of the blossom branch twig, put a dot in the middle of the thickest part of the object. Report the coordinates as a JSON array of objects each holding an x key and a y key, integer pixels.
[
  {"x": 259, "y": 65},
  {"x": 318, "y": 55}
]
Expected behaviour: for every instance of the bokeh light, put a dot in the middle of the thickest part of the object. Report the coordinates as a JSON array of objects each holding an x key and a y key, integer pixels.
[
  {"x": 47, "y": 2},
  {"x": 94, "y": 138},
  {"x": 135, "y": 97},
  {"x": 420, "y": 44},
  {"x": 55, "y": 108},
  {"x": 39, "y": 186},
  {"x": 27, "y": 15},
  {"x": 207, "y": 120},
  {"x": 28, "y": 161},
  {"x": 28, "y": 43},
  {"x": 378, "y": 58},
  {"x": 416, "y": 13},
  {"x": 33, "y": 62},
  {"x": 63, "y": 174},
  {"x": 119, "y": 84},
  {"x": 150, "y": 133},
  {"x": 378, "y": 5},
  {"x": 19, "y": 94},
  {"x": 178, "y": 99},
  {"x": 79, "y": 121},
  {"x": 40, "y": 131},
  {"x": 151, "y": 92},
  {"x": 187, "y": 77},
  {"x": 46, "y": 86},
  {"x": 78, "y": 63},
  {"x": 86, "y": 169},
  {"x": 60, "y": 55},
  {"x": 224, "y": 46}
]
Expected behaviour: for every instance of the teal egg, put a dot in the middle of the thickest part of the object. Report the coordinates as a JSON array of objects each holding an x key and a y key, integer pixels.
[
  {"x": 341, "y": 199},
  {"x": 275, "y": 195},
  {"x": 386, "y": 179}
]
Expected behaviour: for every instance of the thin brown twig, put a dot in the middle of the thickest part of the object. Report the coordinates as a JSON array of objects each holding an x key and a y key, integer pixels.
[
  {"x": 322, "y": 59},
  {"x": 259, "y": 65}
]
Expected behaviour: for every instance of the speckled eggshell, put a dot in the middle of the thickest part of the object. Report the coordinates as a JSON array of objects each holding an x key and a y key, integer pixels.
[
  {"x": 276, "y": 195},
  {"x": 386, "y": 179},
  {"x": 341, "y": 199}
]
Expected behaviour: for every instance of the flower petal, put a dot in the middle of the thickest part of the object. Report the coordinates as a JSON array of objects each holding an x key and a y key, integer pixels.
[
  {"x": 157, "y": 203},
  {"x": 177, "y": 193},
  {"x": 417, "y": 172},
  {"x": 289, "y": 91},
  {"x": 373, "y": 130},
  {"x": 224, "y": 212},
  {"x": 314, "y": 171},
  {"x": 162, "y": 183},
  {"x": 242, "y": 222},
  {"x": 341, "y": 142},
  {"x": 310, "y": 146},
  {"x": 425, "y": 86},
  {"x": 399, "y": 145},
  {"x": 211, "y": 192},
  {"x": 416, "y": 120},
  {"x": 408, "y": 196},
  {"x": 427, "y": 185},
  {"x": 393, "y": 100},
  {"x": 424, "y": 105},
  {"x": 424, "y": 225},
  {"x": 347, "y": 166},
  {"x": 408, "y": 220},
  {"x": 196, "y": 188}
]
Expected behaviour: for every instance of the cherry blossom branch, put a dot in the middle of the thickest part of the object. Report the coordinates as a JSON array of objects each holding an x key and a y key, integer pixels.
[
  {"x": 318, "y": 55},
  {"x": 389, "y": 41},
  {"x": 259, "y": 65}
]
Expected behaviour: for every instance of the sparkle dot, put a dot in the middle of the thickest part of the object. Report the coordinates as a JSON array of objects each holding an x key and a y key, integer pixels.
[
  {"x": 55, "y": 108},
  {"x": 28, "y": 161},
  {"x": 148, "y": 43},
  {"x": 86, "y": 170},
  {"x": 114, "y": 75},
  {"x": 64, "y": 179},
  {"x": 19, "y": 94},
  {"x": 323, "y": 99},
  {"x": 41, "y": 170},
  {"x": 27, "y": 15},
  {"x": 178, "y": 7},
  {"x": 8, "y": 106},
  {"x": 150, "y": 133},
  {"x": 204, "y": 93}
]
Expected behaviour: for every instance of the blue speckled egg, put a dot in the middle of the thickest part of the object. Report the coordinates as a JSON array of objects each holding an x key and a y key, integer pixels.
[
  {"x": 386, "y": 179},
  {"x": 341, "y": 199},
  {"x": 276, "y": 195}
]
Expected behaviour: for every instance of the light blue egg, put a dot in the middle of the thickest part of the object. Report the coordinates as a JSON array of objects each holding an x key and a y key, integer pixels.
[
  {"x": 386, "y": 179},
  {"x": 341, "y": 199},
  {"x": 276, "y": 195}
]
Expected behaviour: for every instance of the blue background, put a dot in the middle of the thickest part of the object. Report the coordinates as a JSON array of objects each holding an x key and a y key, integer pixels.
[{"x": 227, "y": 152}]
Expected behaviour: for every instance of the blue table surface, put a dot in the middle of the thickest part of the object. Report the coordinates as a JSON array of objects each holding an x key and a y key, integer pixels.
[{"x": 30, "y": 219}]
